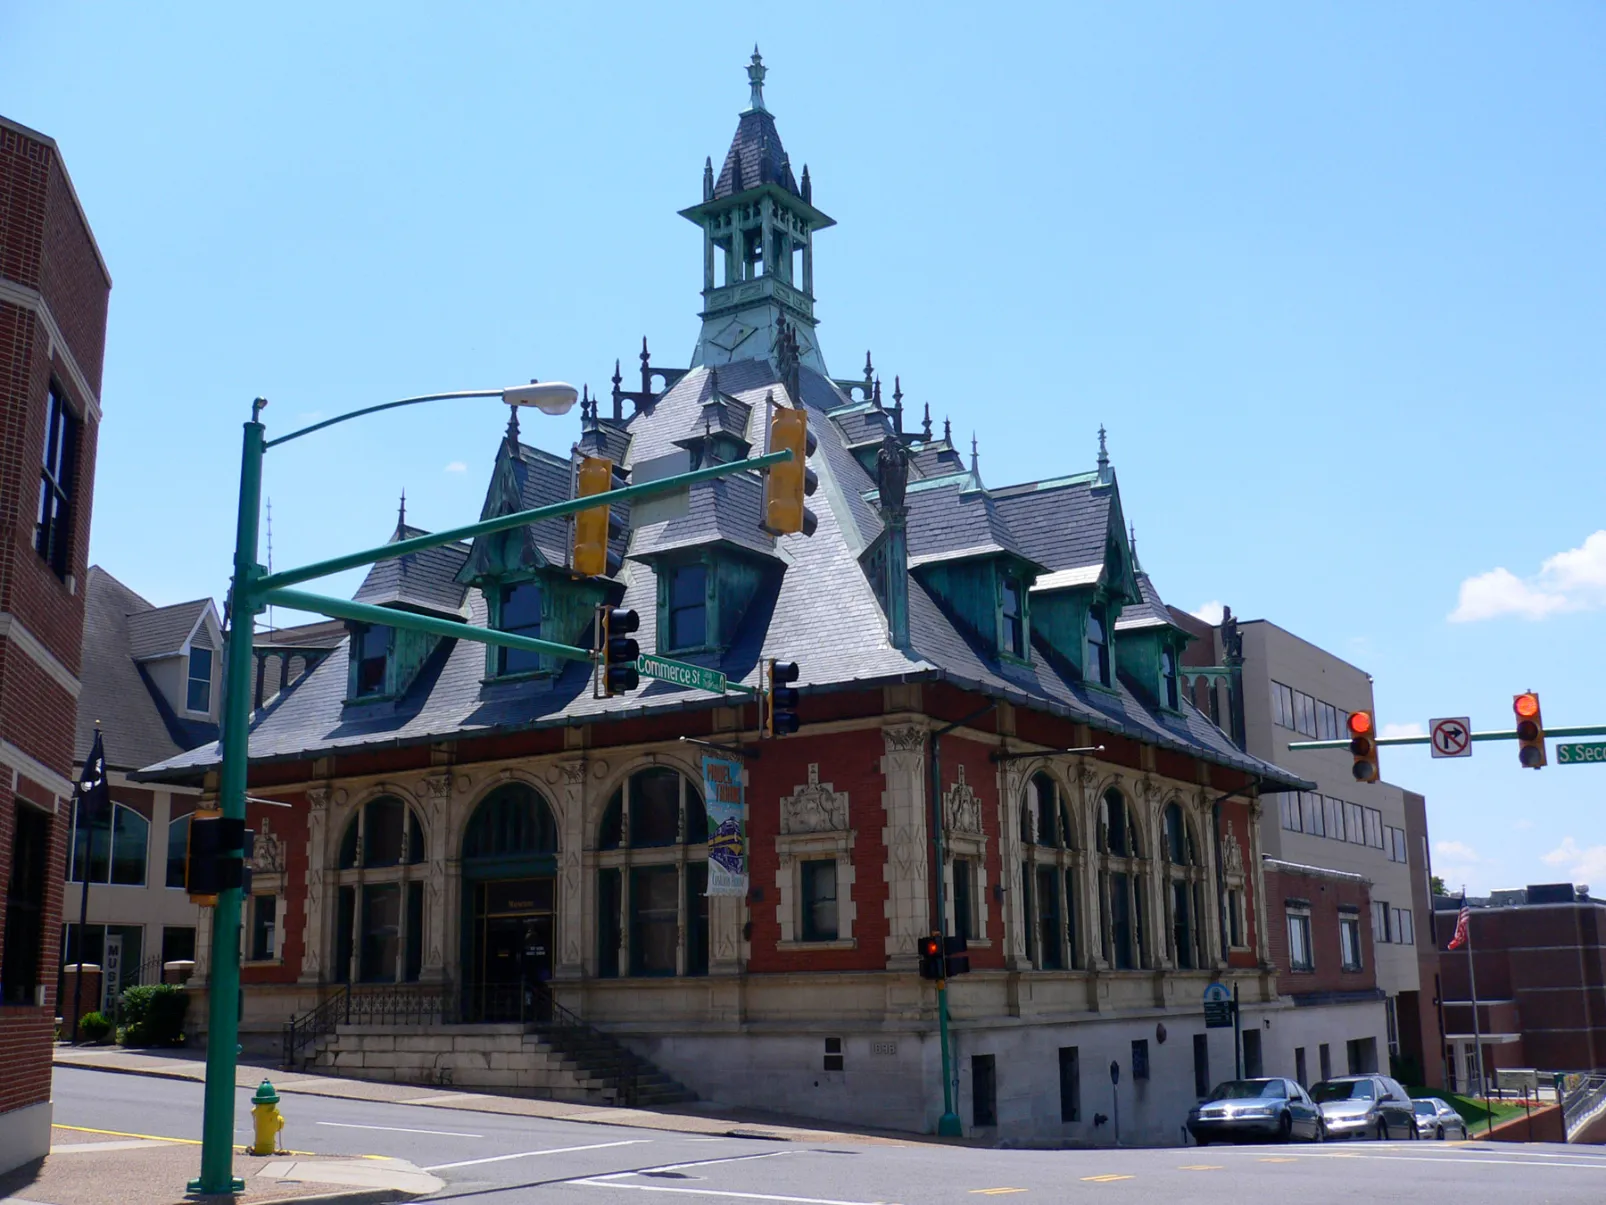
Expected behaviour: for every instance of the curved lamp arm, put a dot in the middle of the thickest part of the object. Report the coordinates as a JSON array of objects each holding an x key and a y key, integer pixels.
[{"x": 550, "y": 397}]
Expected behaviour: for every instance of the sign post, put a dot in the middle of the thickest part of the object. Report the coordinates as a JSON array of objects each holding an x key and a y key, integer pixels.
[
  {"x": 1217, "y": 1007},
  {"x": 1451, "y": 737}
]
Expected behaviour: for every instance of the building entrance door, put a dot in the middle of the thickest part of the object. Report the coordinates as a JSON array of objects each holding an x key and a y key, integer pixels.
[{"x": 510, "y": 958}]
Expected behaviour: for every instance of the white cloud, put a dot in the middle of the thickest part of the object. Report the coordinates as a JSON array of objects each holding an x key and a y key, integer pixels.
[
  {"x": 1411, "y": 729},
  {"x": 1574, "y": 580},
  {"x": 1211, "y": 612},
  {"x": 1582, "y": 865},
  {"x": 1523, "y": 825},
  {"x": 457, "y": 466},
  {"x": 1457, "y": 850}
]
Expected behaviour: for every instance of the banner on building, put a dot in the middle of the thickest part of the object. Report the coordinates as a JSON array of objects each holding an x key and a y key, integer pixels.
[{"x": 727, "y": 825}]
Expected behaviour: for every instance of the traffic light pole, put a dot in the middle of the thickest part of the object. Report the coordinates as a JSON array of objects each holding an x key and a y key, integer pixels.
[
  {"x": 1424, "y": 739},
  {"x": 250, "y": 592}
]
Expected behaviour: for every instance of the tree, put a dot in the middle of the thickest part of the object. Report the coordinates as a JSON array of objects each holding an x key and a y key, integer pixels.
[{"x": 1436, "y": 885}]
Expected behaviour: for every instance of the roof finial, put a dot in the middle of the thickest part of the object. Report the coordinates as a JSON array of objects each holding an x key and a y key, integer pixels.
[
  {"x": 513, "y": 424},
  {"x": 947, "y": 432},
  {"x": 875, "y": 394},
  {"x": 1104, "y": 458},
  {"x": 975, "y": 456},
  {"x": 897, "y": 404},
  {"x": 807, "y": 188},
  {"x": 925, "y": 426},
  {"x": 755, "y": 77},
  {"x": 618, "y": 396},
  {"x": 401, "y": 511},
  {"x": 708, "y": 179}
]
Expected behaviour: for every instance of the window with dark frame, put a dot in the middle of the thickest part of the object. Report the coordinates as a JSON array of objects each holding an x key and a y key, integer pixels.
[
  {"x": 1070, "y": 1084},
  {"x": 27, "y": 877},
  {"x": 1014, "y": 619},
  {"x": 109, "y": 850},
  {"x": 834, "y": 1058},
  {"x": 819, "y": 901},
  {"x": 688, "y": 607},
  {"x": 983, "y": 1090},
  {"x": 964, "y": 899},
  {"x": 1349, "y": 940},
  {"x": 1299, "y": 951},
  {"x": 52, "y": 537},
  {"x": 1097, "y": 666},
  {"x": 198, "y": 692},
  {"x": 264, "y": 926},
  {"x": 372, "y": 644},
  {"x": 1168, "y": 679},
  {"x": 520, "y": 614},
  {"x": 1140, "y": 1058},
  {"x": 1201, "y": 1065}
]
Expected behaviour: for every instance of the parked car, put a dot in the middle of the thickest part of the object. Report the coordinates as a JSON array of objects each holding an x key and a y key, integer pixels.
[
  {"x": 1243, "y": 1109},
  {"x": 1365, "y": 1106},
  {"x": 1437, "y": 1119}
]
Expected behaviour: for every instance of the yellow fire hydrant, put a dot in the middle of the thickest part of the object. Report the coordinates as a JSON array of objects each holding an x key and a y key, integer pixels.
[{"x": 267, "y": 1120}]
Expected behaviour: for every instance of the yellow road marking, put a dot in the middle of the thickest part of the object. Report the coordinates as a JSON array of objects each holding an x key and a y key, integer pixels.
[
  {"x": 1200, "y": 1167},
  {"x": 1105, "y": 1179},
  {"x": 995, "y": 1192},
  {"x": 1280, "y": 1159},
  {"x": 126, "y": 1134}
]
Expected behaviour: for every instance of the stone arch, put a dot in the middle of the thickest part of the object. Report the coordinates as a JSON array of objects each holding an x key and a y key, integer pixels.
[{"x": 415, "y": 838}]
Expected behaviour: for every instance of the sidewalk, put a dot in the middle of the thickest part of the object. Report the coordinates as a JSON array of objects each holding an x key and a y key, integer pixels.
[
  {"x": 90, "y": 1167},
  {"x": 687, "y": 1119}
]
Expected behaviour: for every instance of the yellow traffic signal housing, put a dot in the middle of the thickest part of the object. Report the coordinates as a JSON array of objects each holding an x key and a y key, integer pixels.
[
  {"x": 591, "y": 525},
  {"x": 787, "y": 484},
  {"x": 202, "y": 847},
  {"x": 1363, "y": 746},
  {"x": 1530, "y": 730}
]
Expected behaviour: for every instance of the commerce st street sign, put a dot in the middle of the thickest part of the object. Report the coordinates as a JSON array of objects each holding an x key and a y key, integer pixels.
[
  {"x": 681, "y": 673},
  {"x": 1578, "y": 754}
]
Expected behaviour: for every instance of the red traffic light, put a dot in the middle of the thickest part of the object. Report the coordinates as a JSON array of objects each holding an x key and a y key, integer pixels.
[
  {"x": 1526, "y": 705},
  {"x": 1363, "y": 747},
  {"x": 930, "y": 947},
  {"x": 1360, "y": 723},
  {"x": 1530, "y": 730}
]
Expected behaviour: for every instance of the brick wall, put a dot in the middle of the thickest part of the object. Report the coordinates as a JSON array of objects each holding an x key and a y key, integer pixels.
[
  {"x": 1325, "y": 893},
  {"x": 290, "y": 826}
]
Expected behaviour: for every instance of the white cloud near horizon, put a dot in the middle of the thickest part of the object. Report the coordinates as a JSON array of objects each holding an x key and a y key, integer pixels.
[
  {"x": 457, "y": 466},
  {"x": 1583, "y": 865},
  {"x": 1411, "y": 729},
  {"x": 1211, "y": 612},
  {"x": 1573, "y": 580},
  {"x": 1458, "y": 850}
]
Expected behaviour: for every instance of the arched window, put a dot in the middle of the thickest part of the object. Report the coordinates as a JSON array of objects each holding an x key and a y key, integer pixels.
[
  {"x": 1121, "y": 885},
  {"x": 178, "y": 849},
  {"x": 1049, "y": 877},
  {"x": 379, "y": 935},
  {"x": 512, "y": 820},
  {"x": 1185, "y": 879},
  {"x": 110, "y": 849},
  {"x": 652, "y": 876}
]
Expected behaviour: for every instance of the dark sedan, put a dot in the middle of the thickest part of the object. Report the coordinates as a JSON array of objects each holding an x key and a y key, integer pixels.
[{"x": 1256, "y": 1109}]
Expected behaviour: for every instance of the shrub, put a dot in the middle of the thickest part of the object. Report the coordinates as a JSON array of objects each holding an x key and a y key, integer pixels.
[
  {"x": 94, "y": 1027},
  {"x": 154, "y": 1014}
]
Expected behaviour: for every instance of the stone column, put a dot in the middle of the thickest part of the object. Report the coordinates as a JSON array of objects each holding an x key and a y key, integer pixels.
[
  {"x": 569, "y": 781},
  {"x": 907, "y": 840},
  {"x": 435, "y": 797},
  {"x": 318, "y": 900},
  {"x": 1256, "y": 876},
  {"x": 1011, "y": 787}
]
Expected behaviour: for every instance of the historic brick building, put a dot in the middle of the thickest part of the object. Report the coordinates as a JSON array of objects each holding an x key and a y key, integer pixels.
[
  {"x": 53, "y": 293},
  {"x": 992, "y": 661}
]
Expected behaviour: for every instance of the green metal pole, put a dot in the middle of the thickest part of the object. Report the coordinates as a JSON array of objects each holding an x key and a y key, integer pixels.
[
  {"x": 1502, "y": 734},
  {"x": 223, "y": 986},
  {"x": 948, "y": 1125}
]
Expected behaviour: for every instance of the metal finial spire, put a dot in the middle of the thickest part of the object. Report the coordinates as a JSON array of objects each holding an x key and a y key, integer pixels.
[
  {"x": 513, "y": 423},
  {"x": 713, "y": 383},
  {"x": 401, "y": 511},
  {"x": 975, "y": 456},
  {"x": 897, "y": 404},
  {"x": 806, "y": 187},
  {"x": 708, "y": 179},
  {"x": 925, "y": 425},
  {"x": 947, "y": 432},
  {"x": 755, "y": 76},
  {"x": 1105, "y": 476},
  {"x": 875, "y": 395},
  {"x": 1132, "y": 540}
]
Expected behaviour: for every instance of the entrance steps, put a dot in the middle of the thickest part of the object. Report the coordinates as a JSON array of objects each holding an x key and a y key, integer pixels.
[{"x": 582, "y": 1067}]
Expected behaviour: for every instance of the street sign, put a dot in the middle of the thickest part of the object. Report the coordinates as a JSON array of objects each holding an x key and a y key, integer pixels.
[
  {"x": 1218, "y": 1006},
  {"x": 681, "y": 673},
  {"x": 1451, "y": 737},
  {"x": 1577, "y": 755}
]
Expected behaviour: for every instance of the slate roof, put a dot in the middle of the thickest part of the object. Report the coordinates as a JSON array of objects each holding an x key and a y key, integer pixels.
[
  {"x": 162, "y": 631},
  {"x": 1149, "y": 613},
  {"x": 138, "y": 725},
  {"x": 817, "y": 607},
  {"x": 420, "y": 581},
  {"x": 756, "y": 157}
]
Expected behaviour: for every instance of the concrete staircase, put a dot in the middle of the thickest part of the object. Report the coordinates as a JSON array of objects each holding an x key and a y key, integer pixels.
[{"x": 556, "y": 1063}]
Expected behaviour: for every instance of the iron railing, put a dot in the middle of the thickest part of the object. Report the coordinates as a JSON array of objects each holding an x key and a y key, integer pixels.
[
  {"x": 1582, "y": 1102},
  {"x": 573, "y": 1037},
  {"x": 301, "y": 1032}
]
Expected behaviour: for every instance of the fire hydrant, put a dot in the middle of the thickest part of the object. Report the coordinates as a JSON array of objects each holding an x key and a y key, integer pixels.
[{"x": 267, "y": 1120}]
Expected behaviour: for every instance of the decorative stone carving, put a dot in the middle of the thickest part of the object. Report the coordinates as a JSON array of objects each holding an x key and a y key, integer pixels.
[
  {"x": 904, "y": 740},
  {"x": 317, "y": 798},
  {"x": 961, "y": 810},
  {"x": 573, "y": 772},
  {"x": 268, "y": 857},
  {"x": 1086, "y": 775},
  {"x": 435, "y": 788},
  {"x": 814, "y": 807},
  {"x": 1232, "y": 853}
]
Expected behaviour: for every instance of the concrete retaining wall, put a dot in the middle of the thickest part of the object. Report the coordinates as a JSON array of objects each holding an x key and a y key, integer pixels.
[{"x": 463, "y": 1056}]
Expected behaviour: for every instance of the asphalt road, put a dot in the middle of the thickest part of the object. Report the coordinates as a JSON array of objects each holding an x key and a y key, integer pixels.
[{"x": 496, "y": 1159}]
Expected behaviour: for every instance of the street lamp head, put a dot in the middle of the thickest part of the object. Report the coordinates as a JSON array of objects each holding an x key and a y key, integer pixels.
[{"x": 549, "y": 397}]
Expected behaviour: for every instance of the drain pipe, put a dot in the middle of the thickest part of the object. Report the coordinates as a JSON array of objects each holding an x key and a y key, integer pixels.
[{"x": 948, "y": 1125}]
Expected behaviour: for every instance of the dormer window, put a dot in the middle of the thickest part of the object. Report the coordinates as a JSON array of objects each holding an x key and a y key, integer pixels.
[
  {"x": 688, "y": 607},
  {"x": 1014, "y": 619},
  {"x": 198, "y": 694},
  {"x": 520, "y": 613},
  {"x": 1168, "y": 679},
  {"x": 370, "y": 651},
  {"x": 1097, "y": 668}
]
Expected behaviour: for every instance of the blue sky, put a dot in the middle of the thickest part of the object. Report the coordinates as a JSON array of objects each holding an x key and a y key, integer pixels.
[{"x": 1334, "y": 276}]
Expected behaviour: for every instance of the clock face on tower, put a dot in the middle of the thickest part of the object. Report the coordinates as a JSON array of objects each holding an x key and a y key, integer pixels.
[{"x": 731, "y": 336}]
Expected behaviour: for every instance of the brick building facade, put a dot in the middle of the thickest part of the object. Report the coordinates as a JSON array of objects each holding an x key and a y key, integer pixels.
[{"x": 53, "y": 296}]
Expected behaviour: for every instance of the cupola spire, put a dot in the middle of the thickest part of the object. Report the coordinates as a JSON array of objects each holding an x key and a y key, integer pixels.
[
  {"x": 1106, "y": 474},
  {"x": 756, "y": 71}
]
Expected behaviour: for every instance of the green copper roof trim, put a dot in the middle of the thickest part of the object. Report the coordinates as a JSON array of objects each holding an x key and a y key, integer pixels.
[{"x": 819, "y": 219}]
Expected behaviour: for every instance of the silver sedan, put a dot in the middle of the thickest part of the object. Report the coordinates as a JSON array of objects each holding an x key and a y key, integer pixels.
[{"x": 1437, "y": 1119}]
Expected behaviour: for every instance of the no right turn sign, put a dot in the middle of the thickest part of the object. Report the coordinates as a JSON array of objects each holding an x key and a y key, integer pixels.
[{"x": 1451, "y": 737}]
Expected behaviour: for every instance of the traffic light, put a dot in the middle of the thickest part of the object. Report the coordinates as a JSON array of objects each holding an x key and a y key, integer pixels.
[
  {"x": 1530, "y": 730},
  {"x": 215, "y": 857},
  {"x": 786, "y": 485},
  {"x": 931, "y": 957},
  {"x": 619, "y": 650},
  {"x": 1363, "y": 746},
  {"x": 591, "y": 526},
  {"x": 956, "y": 955},
  {"x": 780, "y": 699}
]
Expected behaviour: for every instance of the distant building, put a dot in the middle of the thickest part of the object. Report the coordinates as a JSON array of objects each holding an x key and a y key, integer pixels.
[
  {"x": 1539, "y": 956},
  {"x": 1285, "y": 689},
  {"x": 152, "y": 677},
  {"x": 54, "y": 288}
]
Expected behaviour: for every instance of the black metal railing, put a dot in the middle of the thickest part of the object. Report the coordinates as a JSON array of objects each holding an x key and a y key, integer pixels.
[
  {"x": 1582, "y": 1101},
  {"x": 301, "y": 1032},
  {"x": 592, "y": 1050}
]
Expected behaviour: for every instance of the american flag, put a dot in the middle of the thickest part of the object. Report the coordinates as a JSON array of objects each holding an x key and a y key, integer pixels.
[{"x": 1463, "y": 922}]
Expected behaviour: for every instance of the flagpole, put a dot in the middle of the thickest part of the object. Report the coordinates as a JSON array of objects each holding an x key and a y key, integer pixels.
[
  {"x": 1477, "y": 1034},
  {"x": 83, "y": 917}
]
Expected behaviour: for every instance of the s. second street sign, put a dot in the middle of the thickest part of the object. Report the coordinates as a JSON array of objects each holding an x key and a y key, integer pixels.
[{"x": 1578, "y": 754}]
